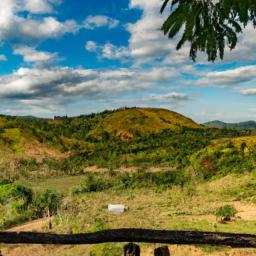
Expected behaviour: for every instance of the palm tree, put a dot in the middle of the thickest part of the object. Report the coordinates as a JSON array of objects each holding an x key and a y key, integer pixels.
[{"x": 208, "y": 25}]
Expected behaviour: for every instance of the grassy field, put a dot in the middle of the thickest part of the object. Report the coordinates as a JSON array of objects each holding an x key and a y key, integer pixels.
[
  {"x": 192, "y": 207},
  {"x": 59, "y": 184}
]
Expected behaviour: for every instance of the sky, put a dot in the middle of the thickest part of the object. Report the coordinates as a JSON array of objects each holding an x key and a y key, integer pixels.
[{"x": 66, "y": 57}]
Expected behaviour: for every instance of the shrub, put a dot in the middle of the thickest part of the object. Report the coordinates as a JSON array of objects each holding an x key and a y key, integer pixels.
[
  {"x": 96, "y": 183},
  {"x": 19, "y": 195},
  {"x": 46, "y": 202},
  {"x": 226, "y": 212}
]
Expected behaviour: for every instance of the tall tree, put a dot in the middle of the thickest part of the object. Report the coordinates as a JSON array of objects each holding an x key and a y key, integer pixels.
[{"x": 208, "y": 25}]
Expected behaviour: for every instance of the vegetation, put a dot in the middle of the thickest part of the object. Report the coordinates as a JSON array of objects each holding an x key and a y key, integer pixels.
[
  {"x": 243, "y": 125},
  {"x": 178, "y": 174},
  {"x": 208, "y": 25},
  {"x": 18, "y": 203},
  {"x": 126, "y": 138},
  {"x": 46, "y": 203},
  {"x": 226, "y": 212}
]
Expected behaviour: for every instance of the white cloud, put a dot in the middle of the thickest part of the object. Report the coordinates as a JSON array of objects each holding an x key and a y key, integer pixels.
[
  {"x": 15, "y": 27},
  {"x": 108, "y": 51},
  {"x": 32, "y": 55},
  {"x": 169, "y": 97},
  {"x": 3, "y": 57},
  {"x": 147, "y": 42},
  {"x": 248, "y": 92},
  {"x": 231, "y": 77},
  {"x": 33, "y": 85},
  {"x": 39, "y": 6},
  {"x": 93, "y": 22},
  {"x": 91, "y": 46}
]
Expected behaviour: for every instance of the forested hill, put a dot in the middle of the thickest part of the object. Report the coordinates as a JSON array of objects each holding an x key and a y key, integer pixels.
[
  {"x": 28, "y": 136},
  {"x": 250, "y": 125},
  {"x": 134, "y": 137}
]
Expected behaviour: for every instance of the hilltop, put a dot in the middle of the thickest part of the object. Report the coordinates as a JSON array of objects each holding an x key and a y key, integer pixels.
[{"x": 125, "y": 123}]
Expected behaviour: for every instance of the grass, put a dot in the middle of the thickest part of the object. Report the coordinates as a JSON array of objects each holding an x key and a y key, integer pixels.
[
  {"x": 170, "y": 208},
  {"x": 192, "y": 207},
  {"x": 59, "y": 184}
]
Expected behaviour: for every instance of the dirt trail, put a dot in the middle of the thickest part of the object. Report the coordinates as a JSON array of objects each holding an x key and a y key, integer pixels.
[
  {"x": 36, "y": 226},
  {"x": 245, "y": 211}
]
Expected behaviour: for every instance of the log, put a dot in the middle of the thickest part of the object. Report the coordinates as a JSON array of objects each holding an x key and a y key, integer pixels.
[
  {"x": 133, "y": 235},
  {"x": 162, "y": 251},
  {"x": 131, "y": 250}
]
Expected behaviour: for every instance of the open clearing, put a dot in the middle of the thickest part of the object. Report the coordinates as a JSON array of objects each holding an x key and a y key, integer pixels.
[{"x": 188, "y": 208}]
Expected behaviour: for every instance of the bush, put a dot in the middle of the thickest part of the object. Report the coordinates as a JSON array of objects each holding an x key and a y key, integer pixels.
[
  {"x": 20, "y": 196},
  {"x": 96, "y": 183},
  {"x": 226, "y": 212},
  {"x": 46, "y": 202}
]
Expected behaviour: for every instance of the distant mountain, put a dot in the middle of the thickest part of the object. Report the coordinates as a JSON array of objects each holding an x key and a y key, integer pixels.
[
  {"x": 249, "y": 125},
  {"x": 29, "y": 117}
]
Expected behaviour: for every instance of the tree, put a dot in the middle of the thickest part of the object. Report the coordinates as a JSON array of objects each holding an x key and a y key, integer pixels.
[
  {"x": 46, "y": 203},
  {"x": 208, "y": 25}
]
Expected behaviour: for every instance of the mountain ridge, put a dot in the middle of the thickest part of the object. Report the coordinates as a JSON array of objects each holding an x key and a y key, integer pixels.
[{"x": 250, "y": 125}]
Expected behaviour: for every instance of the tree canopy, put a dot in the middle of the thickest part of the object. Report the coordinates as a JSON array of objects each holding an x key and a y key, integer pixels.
[{"x": 208, "y": 25}]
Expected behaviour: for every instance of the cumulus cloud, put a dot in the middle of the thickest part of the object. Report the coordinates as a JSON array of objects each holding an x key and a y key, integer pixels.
[
  {"x": 93, "y": 22},
  {"x": 108, "y": 51},
  {"x": 32, "y": 55},
  {"x": 169, "y": 97},
  {"x": 248, "y": 92},
  {"x": 39, "y": 6},
  {"x": 147, "y": 42},
  {"x": 3, "y": 57},
  {"x": 15, "y": 27},
  {"x": 91, "y": 46},
  {"x": 231, "y": 77},
  {"x": 33, "y": 84}
]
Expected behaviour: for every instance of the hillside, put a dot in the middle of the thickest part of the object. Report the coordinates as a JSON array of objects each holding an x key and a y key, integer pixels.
[
  {"x": 136, "y": 138},
  {"x": 22, "y": 139},
  {"x": 250, "y": 125},
  {"x": 126, "y": 123},
  {"x": 157, "y": 162}
]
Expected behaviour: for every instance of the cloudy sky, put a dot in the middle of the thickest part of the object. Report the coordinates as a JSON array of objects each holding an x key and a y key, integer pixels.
[{"x": 71, "y": 57}]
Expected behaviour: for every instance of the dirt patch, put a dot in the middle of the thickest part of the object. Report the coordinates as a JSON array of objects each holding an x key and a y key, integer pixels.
[
  {"x": 245, "y": 211},
  {"x": 35, "y": 226},
  {"x": 39, "y": 152}
]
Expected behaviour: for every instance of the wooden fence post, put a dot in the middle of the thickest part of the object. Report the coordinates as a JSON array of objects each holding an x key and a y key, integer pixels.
[
  {"x": 131, "y": 250},
  {"x": 162, "y": 251}
]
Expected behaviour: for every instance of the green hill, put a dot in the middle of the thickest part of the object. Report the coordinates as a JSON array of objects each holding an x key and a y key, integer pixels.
[
  {"x": 125, "y": 123},
  {"x": 123, "y": 138}
]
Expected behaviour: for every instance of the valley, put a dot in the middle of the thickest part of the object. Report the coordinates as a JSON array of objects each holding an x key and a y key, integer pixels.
[{"x": 171, "y": 172}]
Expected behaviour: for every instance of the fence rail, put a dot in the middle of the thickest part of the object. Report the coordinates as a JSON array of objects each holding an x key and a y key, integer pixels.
[{"x": 133, "y": 235}]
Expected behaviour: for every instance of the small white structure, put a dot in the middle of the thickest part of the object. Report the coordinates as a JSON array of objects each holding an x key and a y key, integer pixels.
[{"x": 117, "y": 208}]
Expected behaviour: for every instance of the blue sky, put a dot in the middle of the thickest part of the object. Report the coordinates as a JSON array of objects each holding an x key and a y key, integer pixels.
[{"x": 61, "y": 57}]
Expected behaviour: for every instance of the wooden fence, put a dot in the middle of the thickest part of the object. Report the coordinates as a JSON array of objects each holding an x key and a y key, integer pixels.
[{"x": 132, "y": 236}]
